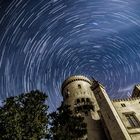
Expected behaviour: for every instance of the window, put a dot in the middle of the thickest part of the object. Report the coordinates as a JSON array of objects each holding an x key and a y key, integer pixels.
[
  {"x": 87, "y": 100},
  {"x": 123, "y": 105},
  {"x": 132, "y": 119},
  {"x": 78, "y": 100},
  {"x": 79, "y": 86},
  {"x": 83, "y": 100}
]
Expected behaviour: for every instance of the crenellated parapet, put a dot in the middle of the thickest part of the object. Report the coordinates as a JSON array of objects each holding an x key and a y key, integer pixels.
[
  {"x": 75, "y": 78},
  {"x": 126, "y": 99},
  {"x": 77, "y": 92}
]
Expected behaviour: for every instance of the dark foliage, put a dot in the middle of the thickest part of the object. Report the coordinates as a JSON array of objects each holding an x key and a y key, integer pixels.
[
  {"x": 24, "y": 117},
  {"x": 66, "y": 125}
]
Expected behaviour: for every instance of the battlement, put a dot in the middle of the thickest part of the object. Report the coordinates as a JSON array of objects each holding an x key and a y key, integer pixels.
[
  {"x": 75, "y": 78},
  {"x": 126, "y": 99}
]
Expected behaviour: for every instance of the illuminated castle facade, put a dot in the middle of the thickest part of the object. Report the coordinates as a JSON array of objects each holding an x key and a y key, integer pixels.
[{"x": 106, "y": 119}]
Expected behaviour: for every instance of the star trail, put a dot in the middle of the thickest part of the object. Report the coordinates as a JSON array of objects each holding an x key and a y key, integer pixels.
[{"x": 43, "y": 42}]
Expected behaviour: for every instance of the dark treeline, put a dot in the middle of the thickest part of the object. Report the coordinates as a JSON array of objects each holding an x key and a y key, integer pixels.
[{"x": 26, "y": 117}]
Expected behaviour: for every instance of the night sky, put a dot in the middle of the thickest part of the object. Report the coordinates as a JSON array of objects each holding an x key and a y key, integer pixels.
[{"x": 42, "y": 42}]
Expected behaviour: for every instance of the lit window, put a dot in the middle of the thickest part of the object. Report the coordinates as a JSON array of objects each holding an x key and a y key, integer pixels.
[
  {"x": 123, "y": 105},
  {"x": 132, "y": 119}
]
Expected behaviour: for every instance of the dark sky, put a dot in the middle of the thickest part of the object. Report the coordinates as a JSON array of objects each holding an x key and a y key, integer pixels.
[{"x": 42, "y": 42}]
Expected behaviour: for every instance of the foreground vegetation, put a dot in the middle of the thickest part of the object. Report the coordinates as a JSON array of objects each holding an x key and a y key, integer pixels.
[{"x": 26, "y": 117}]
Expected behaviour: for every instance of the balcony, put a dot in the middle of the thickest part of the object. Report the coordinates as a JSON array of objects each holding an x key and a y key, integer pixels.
[{"x": 83, "y": 104}]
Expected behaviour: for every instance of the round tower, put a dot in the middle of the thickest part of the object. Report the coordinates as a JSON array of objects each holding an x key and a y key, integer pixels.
[{"x": 76, "y": 92}]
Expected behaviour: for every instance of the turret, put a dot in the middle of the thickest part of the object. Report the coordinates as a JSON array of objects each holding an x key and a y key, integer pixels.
[{"x": 77, "y": 93}]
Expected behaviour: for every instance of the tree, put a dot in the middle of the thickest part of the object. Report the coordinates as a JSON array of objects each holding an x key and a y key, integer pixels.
[
  {"x": 24, "y": 117},
  {"x": 65, "y": 125}
]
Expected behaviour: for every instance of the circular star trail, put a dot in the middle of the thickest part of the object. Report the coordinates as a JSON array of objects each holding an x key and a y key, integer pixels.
[{"x": 43, "y": 42}]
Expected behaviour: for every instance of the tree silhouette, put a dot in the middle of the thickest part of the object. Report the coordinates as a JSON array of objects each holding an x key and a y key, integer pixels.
[
  {"x": 24, "y": 117},
  {"x": 66, "y": 125}
]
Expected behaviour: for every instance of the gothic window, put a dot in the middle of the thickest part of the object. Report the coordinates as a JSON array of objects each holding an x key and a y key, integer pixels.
[{"x": 132, "y": 119}]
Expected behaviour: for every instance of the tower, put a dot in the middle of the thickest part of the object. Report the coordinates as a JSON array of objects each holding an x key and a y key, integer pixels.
[
  {"x": 113, "y": 125},
  {"x": 76, "y": 92}
]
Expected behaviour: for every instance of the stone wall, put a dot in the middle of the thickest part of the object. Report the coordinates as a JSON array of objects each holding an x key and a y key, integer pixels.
[
  {"x": 126, "y": 107},
  {"x": 77, "y": 92}
]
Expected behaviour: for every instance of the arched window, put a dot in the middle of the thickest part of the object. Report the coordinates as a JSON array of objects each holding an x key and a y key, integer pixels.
[
  {"x": 83, "y": 100},
  {"x": 78, "y": 100},
  {"x": 87, "y": 100}
]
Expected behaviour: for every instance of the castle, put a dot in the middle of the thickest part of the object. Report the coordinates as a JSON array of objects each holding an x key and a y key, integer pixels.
[{"x": 106, "y": 119}]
